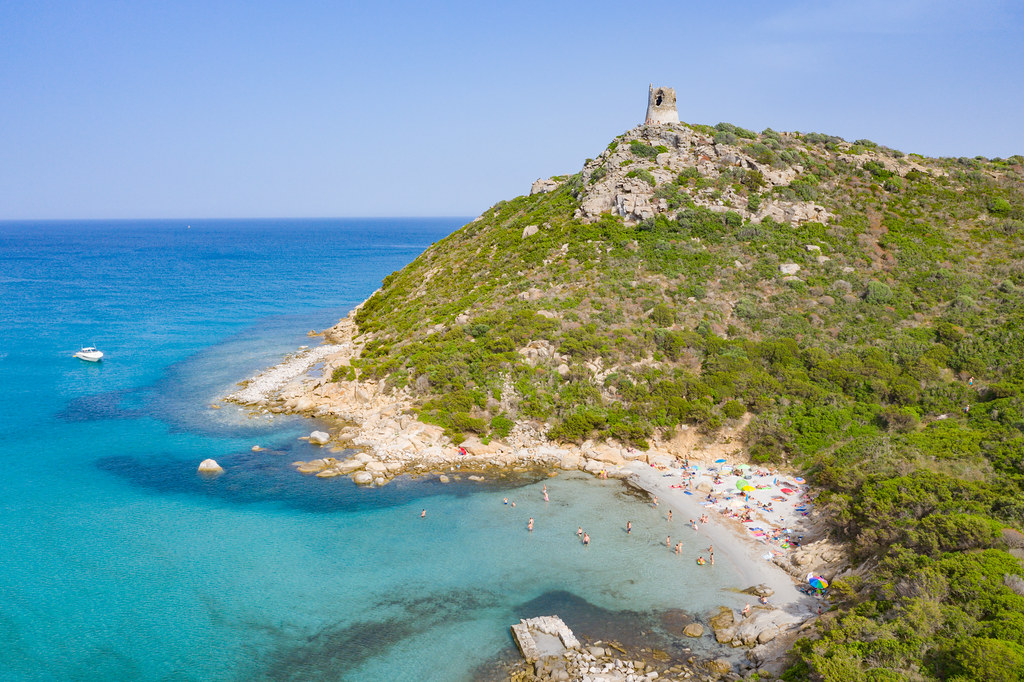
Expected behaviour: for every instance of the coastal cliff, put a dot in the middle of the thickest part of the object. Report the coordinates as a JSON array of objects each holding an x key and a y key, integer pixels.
[{"x": 789, "y": 299}]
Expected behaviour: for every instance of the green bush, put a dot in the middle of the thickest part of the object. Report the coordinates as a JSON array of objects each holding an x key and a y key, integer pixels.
[
  {"x": 734, "y": 409},
  {"x": 877, "y": 292},
  {"x": 646, "y": 151},
  {"x": 501, "y": 426},
  {"x": 643, "y": 175},
  {"x": 663, "y": 316},
  {"x": 999, "y": 206}
]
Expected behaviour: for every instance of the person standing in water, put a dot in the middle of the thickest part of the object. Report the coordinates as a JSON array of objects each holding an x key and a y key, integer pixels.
[
  {"x": 629, "y": 527},
  {"x": 586, "y": 539},
  {"x": 423, "y": 514},
  {"x": 669, "y": 514},
  {"x": 530, "y": 524},
  {"x": 579, "y": 532}
]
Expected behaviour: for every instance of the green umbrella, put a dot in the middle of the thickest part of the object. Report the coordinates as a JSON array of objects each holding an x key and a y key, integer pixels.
[
  {"x": 741, "y": 484},
  {"x": 743, "y": 466}
]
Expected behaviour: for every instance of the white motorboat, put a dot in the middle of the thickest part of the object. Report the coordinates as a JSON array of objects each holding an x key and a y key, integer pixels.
[{"x": 90, "y": 354}]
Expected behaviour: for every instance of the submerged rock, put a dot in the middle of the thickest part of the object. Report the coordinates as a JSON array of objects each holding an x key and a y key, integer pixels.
[{"x": 693, "y": 630}]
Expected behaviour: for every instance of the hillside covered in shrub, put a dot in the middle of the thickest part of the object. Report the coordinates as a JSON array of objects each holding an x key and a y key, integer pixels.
[{"x": 863, "y": 305}]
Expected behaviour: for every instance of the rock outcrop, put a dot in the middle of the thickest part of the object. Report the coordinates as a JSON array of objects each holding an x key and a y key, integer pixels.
[
  {"x": 210, "y": 466},
  {"x": 620, "y": 183}
]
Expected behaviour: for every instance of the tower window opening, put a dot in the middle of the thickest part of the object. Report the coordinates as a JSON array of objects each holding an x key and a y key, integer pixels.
[{"x": 658, "y": 100}]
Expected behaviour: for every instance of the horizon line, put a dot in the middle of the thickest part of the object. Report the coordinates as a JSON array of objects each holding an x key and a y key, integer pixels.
[{"x": 198, "y": 219}]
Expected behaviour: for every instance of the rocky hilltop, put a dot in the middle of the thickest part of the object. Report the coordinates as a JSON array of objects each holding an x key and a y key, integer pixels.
[{"x": 838, "y": 307}]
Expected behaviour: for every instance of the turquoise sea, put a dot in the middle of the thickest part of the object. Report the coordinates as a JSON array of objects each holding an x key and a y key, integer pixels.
[{"x": 119, "y": 562}]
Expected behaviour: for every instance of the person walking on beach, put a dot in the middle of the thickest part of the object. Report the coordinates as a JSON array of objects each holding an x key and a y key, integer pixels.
[
  {"x": 530, "y": 524},
  {"x": 629, "y": 527}
]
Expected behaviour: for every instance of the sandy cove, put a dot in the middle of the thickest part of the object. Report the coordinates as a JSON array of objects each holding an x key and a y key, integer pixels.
[{"x": 389, "y": 441}]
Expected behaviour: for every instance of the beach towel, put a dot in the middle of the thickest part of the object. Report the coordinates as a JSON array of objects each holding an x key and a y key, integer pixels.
[{"x": 788, "y": 491}]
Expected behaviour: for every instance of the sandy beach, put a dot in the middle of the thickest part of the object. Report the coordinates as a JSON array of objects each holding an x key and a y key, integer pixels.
[{"x": 730, "y": 537}]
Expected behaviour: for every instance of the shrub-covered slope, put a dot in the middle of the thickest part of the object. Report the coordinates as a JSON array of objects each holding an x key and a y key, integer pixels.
[{"x": 866, "y": 306}]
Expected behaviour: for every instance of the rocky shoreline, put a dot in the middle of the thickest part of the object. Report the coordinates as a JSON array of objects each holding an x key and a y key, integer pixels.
[{"x": 375, "y": 437}]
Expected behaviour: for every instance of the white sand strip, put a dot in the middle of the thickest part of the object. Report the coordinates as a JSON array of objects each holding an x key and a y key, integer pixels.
[{"x": 270, "y": 381}]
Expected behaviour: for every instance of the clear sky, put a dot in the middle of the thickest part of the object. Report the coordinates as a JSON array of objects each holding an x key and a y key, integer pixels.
[{"x": 137, "y": 109}]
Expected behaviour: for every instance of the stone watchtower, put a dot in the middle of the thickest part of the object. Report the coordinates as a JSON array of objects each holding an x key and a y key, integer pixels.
[{"x": 661, "y": 106}]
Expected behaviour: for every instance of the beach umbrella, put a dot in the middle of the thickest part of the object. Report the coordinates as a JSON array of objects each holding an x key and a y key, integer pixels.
[
  {"x": 817, "y": 582},
  {"x": 798, "y": 479},
  {"x": 720, "y": 461},
  {"x": 741, "y": 484},
  {"x": 743, "y": 466}
]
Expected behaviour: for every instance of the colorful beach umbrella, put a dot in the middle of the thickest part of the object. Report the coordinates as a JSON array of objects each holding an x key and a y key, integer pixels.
[
  {"x": 742, "y": 466},
  {"x": 817, "y": 582},
  {"x": 798, "y": 479},
  {"x": 721, "y": 461}
]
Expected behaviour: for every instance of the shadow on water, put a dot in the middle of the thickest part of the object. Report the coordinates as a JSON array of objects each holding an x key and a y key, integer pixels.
[
  {"x": 101, "y": 406},
  {"x": 590, "y": 623},
  {"x": 631, "y": 628},
  {"x": 337, "y": 651},
  {"x": 267, "y": 478}
]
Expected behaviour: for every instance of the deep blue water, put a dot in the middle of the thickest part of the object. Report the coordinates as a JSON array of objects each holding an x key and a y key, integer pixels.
[{"x": 118, "y": 562}]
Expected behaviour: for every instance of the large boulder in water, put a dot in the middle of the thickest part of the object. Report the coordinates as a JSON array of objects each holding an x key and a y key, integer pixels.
[
  {"x": 319, "y": 438},
  {"x": 693, "y": 630},
  {"x": 210, "y": 466}
]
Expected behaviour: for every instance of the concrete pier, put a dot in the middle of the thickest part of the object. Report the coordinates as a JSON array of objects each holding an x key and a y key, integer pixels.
[{"x": 543, "y": 636}]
